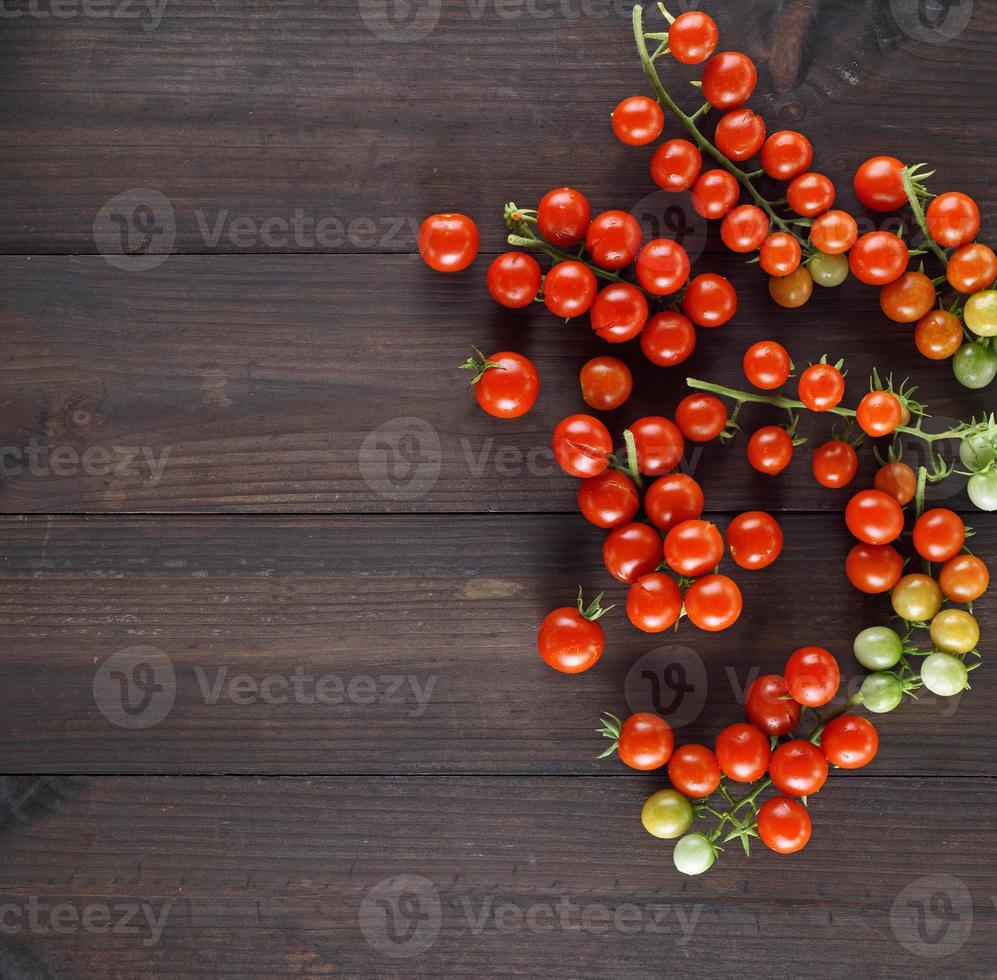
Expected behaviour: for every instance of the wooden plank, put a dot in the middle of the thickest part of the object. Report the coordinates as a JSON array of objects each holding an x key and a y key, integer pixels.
[
  {"x": 308, "y": 383},
  {"x": 240, "y": 111},
  {"x": 476, "y": 877},
  {"x": 424, "y": 633}
]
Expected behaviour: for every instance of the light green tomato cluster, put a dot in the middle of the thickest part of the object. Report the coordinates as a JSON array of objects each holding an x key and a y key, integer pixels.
[{"x": 978, "y": 452}]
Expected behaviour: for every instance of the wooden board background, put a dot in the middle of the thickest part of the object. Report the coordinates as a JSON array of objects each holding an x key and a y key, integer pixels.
[{"x": 257, "y": 459}]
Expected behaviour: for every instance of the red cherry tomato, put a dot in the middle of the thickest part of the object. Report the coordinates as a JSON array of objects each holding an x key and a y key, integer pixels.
[
  {"x": 971, "y": 268},
  {"x": 654, "y": 602},
  {"x": 631, "y": 551},
  {"x": 898, "y": 480},
  {"x": 835, "y": 464},
  {"x": 729, "y": 79},
  {"x": 693, "y": 548},
  {"x": 658, "y": 443},
  {"x": 613, "y": 239},
  {"x": 770, "y": 449},
  {"x": 908, "y": 298},
  {"x": 693, "y": 37},
  {"x": 740, "y": 134},
  {"x": 786, "y": 154},
  {"x": 964, "y": 578},
  {"x": 821, "y": 387},
  {"x": 663, "y": 267},
  {"x": 874, "y": 568},
  {"x": 939, "y": 334},
  {"x": 810, "y": 194},
  {"x": 874, "y": 517},
  {"x": 953, "y": 219},
  {"x": 713, "y": 603},
  {"x": 581, "y": 446},
  {"x": 939, "y": 534},
  {"x": 619, "y": 312},
  {"x": 563, "y": 216},
  {"x": 700, "y": 417},
  {"x": 508, "y": 385},
  {"x": 668, "y": 339},
  {"x": 743, "y": 753},
  {"x": 676, "y": 165},
  {"x": 514, "y": 280},
  {"x": 714, "y": 194},
  {"x": 693, "y": 771},
  {"x": 767, "y": 706},
  {"x": 813, "y": 676},
  {"x": 606, "y": 383},
  {"x": 767, "y": 365},
  {"x": 745, "y": 228},
  {"x": 879, "y": 413},
  {"x": 673, "y": 499},
  {"x": 638, "y": 121},
  {"x": 784, "y": 825},
  {"x": 879, "y": 184},
  {"x": 798, "y": 768},
  {"x": 878, "y": 258},
  {"x": 710, "y": 300},
  {"x": 569, "y": 289},
  {"x": 780, "y": 254},
  {"x": 850, "y": 741},
  {"x": 834, "y": 232},
  {"x": 448, "y": 242},
  {"x": 609, "y": 499},
  {"x": 755, "y": 539},
  {"x": 646, "y": 742},
  {"x": 569, "y": 642}
]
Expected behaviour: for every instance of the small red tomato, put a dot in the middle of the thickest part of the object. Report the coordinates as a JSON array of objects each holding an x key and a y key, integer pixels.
[
  {"x": 619, "y": 312},
  {"x": 569, "y": 641},
  {"x": 879, "y": 184},
  {"x": 908, "y": 298},
  {"x": 563, "y": 216},
  {"x": 810, "y": 194},
  {"x": 514, "y": 280},
  {"x": 569, "y": 289},
  {"x": 784, "y": 825},
  {"x": 693, "y": 771},
  {"x": 654, "y": 602},
  {"x": 663, "y": 267},
  {"x": 794, "y": 290},
  {"x": 713, "y": 603},
  {"x": 878, "y": 258},
  {"x": 898, "y": 480},
  {"x": 658, "y": 443},
  {"x": 821, "y": 387},
  {"x": 874, "y": 568},
  {"x": 609, "y": 499},
  {"x": 850, "y": 741},
  {"x": 710, "y": 300},
  {"x": 507, "y": 385},
  {"x": 964, "y": 578},
  {"x": 693, "y": 548},
  {"x": 646, "y": 742},
  {"x": 874, "y": 517},
  {"x": 798, "y": 768},
  {"x": 813, "y": 676},
  {"x": 879, "y": 413},
  {"x": 606, "y": 383},
  {"x": 770, "y": 449},
  {"x": 743, "y": 753},
  {"x": 448, "y": 242},
  {"x": 939, "y": 334},
  {"x": 971, "y": 268},
  {"x": 714, "y": 194},
  {"x": 953, "y": 219},
  {"x": 668, "y": 339},
  {"x": 676, "y": 165},
  {"x": 835, "y": 464},
  {"x": 769, "y": 708},
  {"x": 780, "y": 254},
  {"x": 729, "y": 79},
  {"x": 834, "y": 232},
  {"x": 673, "y": 499},
  {"x": 581, "y": 446},
  {"x": 693, "y": 37},
  {"x": 740, "y": 134},
  {"x": 786, "y": 154},
  {"x": 939, "y": 534},
  {"x": 631, "y": 551},
  {"x": 613, "y": 239},
  {"x": 755, "y": 539},
  {"x": 701, "y": 417},
  {"x": 767, "y": 365},
  {"x": 745, "y": 228},
  {"x": 638, "y": 121}
]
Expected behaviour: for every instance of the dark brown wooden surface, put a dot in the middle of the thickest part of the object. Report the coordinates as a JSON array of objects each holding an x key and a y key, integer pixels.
[{"x": 257, "y": 459}]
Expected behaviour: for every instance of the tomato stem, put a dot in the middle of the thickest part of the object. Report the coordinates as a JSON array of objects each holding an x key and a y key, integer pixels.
[
  {"x": 633, "y": 470},
  {"x": 911, "y": 186}
]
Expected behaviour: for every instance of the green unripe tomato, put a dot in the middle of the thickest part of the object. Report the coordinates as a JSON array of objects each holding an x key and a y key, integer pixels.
[
  {"x": 667, "y": 814},
  {"x": 694, "y": 854},
  {"x": 982, "y": 490},
  {"x": 878, "y": 648},
  {"x": 881, "y": 692},
  {"x": 980, "y": 313},
  {"x": 944, "y": 675},
  {"x": 976, "y": 452},
  {"x": 974, "y": 366},
  {"x": 828, "y": 270}
]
